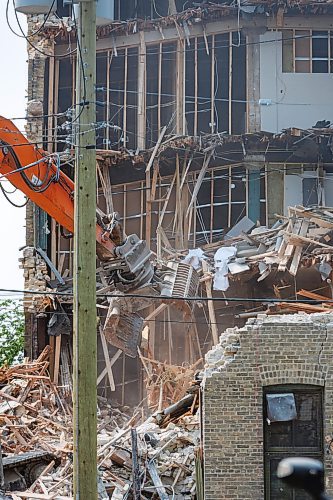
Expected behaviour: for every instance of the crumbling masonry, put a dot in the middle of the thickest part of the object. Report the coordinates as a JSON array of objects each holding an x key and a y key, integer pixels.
[{"x": 288, "y": 351}]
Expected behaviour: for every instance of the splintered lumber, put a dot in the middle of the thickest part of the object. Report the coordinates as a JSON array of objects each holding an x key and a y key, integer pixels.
[
  {"x": 199, "y": 180},
  {"x": 39, "y": 496},
  {"x": 157, "y": 145},
  {"x": 211, "y": 310},
  {"x": 312, "y": 295},
  {"x": 297, "y": 238},
  {"x": 57, "y": 354},
  {"x": 166, "y": 384},
  {"x": 298, "y": 251},
  {"x": 300, "y": 211},
  {"x": 299, "y": 306},
  {"x": 38, "y": 418}
]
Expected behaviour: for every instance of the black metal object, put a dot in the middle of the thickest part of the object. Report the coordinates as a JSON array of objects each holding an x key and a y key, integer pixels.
[
  {"x": 20, "y": 471},
  {"x": 304, "y": 473}
]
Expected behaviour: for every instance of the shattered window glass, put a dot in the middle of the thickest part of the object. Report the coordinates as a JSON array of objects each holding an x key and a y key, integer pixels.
[{"x": 281, "y": 407}]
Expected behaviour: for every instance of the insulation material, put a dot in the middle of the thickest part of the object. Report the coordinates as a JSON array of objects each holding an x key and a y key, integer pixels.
[
  {"x": 194, "y": 258},
  {"x": 221, "y": 259}
]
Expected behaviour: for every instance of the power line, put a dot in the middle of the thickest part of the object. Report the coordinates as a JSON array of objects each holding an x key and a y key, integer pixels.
[{"x": 167, "y": 298}]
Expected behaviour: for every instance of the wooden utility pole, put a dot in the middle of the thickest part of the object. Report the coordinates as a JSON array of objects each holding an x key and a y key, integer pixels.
[{"x": 85, "y": 319}]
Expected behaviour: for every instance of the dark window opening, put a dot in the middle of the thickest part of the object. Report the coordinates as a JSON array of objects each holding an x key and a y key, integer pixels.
[
  {"x": 299, "y": 436},
  {"x": 140, "y": 9},
  {"x": 306, "y": 51},
  {"x": 215, "y": 84}
]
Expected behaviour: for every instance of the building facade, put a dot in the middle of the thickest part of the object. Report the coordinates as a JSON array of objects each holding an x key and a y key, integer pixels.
[{"x": 230, "y": 106}]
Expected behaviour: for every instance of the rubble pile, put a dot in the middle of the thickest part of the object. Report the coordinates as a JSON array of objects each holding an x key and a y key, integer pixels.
[
  {"x": 166, "y": 456},
  {"x": 304, "y": 239},
  {"x": 166, "y": 384},
  {"x": 36, "y": 418},
  {"x": 35, "y": 278}
]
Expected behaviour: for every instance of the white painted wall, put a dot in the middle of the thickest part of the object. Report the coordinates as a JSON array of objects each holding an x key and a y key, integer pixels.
[
  {"x": 293, "y": 190},
  {"x": 328, "y": 188},
  {"x": 298, "y": 99}
]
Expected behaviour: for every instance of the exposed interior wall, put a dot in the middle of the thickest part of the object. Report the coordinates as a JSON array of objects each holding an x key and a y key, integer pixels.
[
  {"x": 297, "y": 99},
  {"x": 193, "y": 88},
  {"x": 267, "y": 352}
]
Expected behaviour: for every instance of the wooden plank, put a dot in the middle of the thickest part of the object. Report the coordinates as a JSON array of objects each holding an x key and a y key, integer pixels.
[
  {"x": 108, "y": 189},
  {"x": 155, "y": 313},
  {"x": 298, "y": 252},
  {"x": 125, "y": 97},
  {"x": 156, "y": 170},
  {"x": 212, "y": 88},
  {"x": 61, "y": 263},
  {"x": 200, "y": 179},
  {"x": 141, "y": 142},
  {"x": 300, "y": 238},
  {"x": 210, "y": 304},
  {"x": 180, "y": 79},
  {"x": 108, "y": 365},
  {"x": 155, "y": 150},
  {"x": 30, "y": 494},
  {"x": 57, "y": 359},
  {"x": 312, "y": 216},
  {"x": 195, "y": 126},
  {"x": 148, "y": 210},
  {"x": 52, "y": 346},
  {"x": 165, "y": 205},
  {"x": 312, "y": 295},
  {"x": 230, "y": 84},
  {"x": 289, "y": 248},
  {"x": 159, "y": 82},
  {"x": 112, "y": 362}
]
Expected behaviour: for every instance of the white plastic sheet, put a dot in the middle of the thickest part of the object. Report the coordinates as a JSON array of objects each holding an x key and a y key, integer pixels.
[
  {"x": 194, "y": 258},
  {"x": 221, "y": 259}
]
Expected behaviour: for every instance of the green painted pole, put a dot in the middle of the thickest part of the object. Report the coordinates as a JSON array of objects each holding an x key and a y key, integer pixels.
[{"x": 85, "y": 319}]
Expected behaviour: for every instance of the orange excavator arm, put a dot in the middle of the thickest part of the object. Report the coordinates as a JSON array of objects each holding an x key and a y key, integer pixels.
[{"x": 37, "y": 174}]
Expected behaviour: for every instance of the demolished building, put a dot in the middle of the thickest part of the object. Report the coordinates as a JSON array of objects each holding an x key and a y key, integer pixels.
[{"x": 215, "y": 147}]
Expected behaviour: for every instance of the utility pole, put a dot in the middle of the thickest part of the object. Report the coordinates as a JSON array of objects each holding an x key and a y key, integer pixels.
[{"x": 85, "y": 319}]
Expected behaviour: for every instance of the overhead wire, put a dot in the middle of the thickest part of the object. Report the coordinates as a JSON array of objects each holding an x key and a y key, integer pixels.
[
  {"x": 170, "y": 298},
  {"x": 5, "y": 193},
  {"x": 34, "y": 46},
  {"x": 34, "y": 33}
]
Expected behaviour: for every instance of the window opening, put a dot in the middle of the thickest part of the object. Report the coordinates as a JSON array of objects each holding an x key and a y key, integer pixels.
[
  {"x": 307, "y": 51},
  {"x": 293, "y": 426}
]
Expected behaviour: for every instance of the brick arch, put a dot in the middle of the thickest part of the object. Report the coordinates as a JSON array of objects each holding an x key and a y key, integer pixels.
[{"x": 305, "y": 373}]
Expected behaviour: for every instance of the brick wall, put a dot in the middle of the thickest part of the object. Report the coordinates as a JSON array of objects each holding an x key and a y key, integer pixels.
[
  {"x": 290, "y": 349},
  {"x": 34, "y": 132}
]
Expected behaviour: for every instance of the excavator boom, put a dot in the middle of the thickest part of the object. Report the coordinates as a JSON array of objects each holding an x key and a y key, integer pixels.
[{"x": 37, "y": 174}]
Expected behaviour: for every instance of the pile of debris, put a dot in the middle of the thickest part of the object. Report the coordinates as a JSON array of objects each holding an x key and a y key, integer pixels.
[
  {"x": 159, "y": 455},
  {"x": 304, "y": 238},
  {"x": 166, "y": 384}
]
